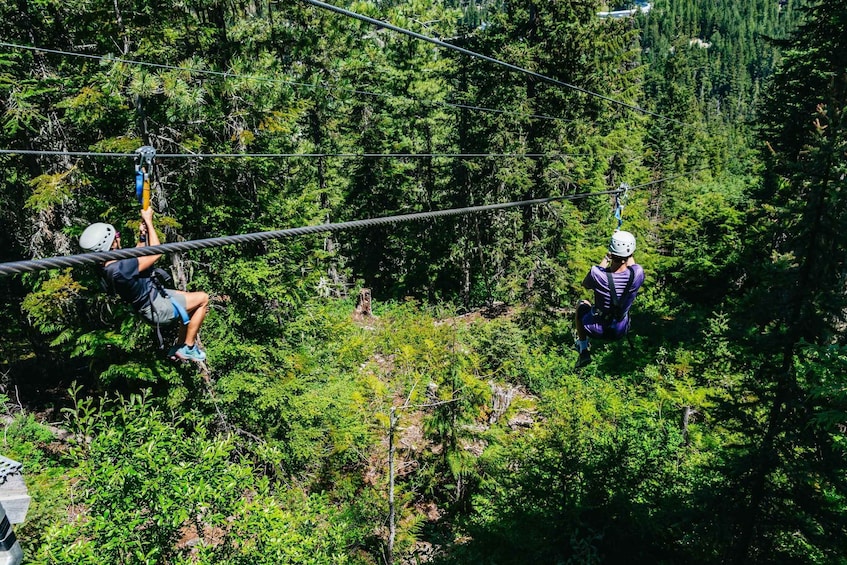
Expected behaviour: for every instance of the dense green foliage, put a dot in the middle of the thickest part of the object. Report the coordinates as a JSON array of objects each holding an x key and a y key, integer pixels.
[{"x": 715, "y": 433}]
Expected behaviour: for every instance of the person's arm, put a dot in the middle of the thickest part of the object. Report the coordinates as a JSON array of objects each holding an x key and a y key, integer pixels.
[
  {"x": 147, "y": 229},
  {"x": 588, "y": 281}
]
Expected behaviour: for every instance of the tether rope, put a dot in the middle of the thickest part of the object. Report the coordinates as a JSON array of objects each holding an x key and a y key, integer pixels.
[
  {"x": 476, "y": 55},
  {"x": 17, "y": 267}
]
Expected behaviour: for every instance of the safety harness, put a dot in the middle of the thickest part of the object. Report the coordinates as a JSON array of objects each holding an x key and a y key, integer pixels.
[
  {"x": 159, "y": 278},
  {"x": 615, "y": 313}
]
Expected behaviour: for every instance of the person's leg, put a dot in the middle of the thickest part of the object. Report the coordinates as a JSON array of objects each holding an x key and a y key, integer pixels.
[
  {"x": 581, "y": 310},
  {"x": 196, "y": 304}
]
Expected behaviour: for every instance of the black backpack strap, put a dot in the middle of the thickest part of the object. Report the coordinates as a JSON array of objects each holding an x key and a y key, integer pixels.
[
  {"x": 160, "y": 278},
  {"x": 629, "y": 282},
  {"x": 107, "y": 284},
  {"x": 612, "y": 292},
  {"x": 615, "y": 310}
]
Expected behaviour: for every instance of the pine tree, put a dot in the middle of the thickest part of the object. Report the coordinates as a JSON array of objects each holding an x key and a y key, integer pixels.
[{"x": 788, "y": 478}]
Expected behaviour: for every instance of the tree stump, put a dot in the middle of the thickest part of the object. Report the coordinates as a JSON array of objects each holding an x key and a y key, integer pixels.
[{"x": 363, "y": 306}]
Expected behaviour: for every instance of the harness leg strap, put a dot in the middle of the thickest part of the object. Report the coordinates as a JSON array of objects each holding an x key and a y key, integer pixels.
[{"x": 179, "y": 311}]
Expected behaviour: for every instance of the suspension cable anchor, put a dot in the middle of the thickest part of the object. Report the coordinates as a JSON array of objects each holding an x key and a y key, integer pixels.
[{"x": 145, "y": 155}]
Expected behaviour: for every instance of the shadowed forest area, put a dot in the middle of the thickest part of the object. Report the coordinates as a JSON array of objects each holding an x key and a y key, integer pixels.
[{"x": 448, "y": 425}]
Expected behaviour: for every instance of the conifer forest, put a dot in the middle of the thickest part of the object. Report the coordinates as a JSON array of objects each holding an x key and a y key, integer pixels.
[{"x": 405, "y": 391}]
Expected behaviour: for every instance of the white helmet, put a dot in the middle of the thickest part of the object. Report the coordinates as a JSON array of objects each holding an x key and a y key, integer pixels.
[
  {"x": 622, "y": 244},
  {"x": 97, "y": 237}
]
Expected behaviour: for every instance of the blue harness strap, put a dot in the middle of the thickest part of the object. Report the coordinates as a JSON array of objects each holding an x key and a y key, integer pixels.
[
  {"x": 620, "y": 202},
  {"x": 139, "y": 183},
  {"x": 179, "y": 311}
]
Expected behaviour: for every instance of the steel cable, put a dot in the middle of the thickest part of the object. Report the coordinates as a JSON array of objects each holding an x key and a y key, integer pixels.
[
  {"x": 476, "y": 55},
  {"x": 229, "y": 75},
  {"x": 287, "y": 155},
  {"x": 17, "y": 267}
]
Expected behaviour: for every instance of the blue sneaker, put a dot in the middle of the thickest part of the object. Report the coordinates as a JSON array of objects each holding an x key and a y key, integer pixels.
[
  {"x": 192, "y": 353},
  {"x": 172, "y": 351}
]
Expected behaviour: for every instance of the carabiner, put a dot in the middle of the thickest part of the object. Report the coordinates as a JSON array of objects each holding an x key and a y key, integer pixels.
[
  {"x": 143, "y": 166},
  {"x": 620, "y": 202}
]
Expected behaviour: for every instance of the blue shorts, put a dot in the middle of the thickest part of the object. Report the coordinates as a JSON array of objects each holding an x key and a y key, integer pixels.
[{"x": 594, "y": 328}]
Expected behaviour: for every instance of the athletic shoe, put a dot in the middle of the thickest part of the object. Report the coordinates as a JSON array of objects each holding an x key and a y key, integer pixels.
[
  {"x": 193, "y": 353},
  {"x": 172, "y": 351},
  {"x": 584, "y": 359}
]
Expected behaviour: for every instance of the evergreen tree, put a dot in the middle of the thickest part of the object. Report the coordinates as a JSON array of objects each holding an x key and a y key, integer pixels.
[{"x": 788, "y": 477}]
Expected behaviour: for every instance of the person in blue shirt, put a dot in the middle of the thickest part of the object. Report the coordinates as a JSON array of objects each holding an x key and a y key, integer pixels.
[
  {"x": 131, "y": 280},
  {"x": 615, "y": 282}
]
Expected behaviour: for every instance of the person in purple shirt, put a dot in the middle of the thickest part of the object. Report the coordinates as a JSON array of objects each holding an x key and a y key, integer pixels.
[{"x": 615, "y": 282}]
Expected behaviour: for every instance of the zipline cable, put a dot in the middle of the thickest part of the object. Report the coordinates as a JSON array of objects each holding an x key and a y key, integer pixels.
[
  {"x": 474, "y": 54},
  {"x": 496, "y": 111},
  {"x": 285, "y": 155},
  {"x": 228, "y": 75},
  {"x": 17, "y": 267},
  {"x": 145, "y": 63},
  {"x": 665, "y": 179}
]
